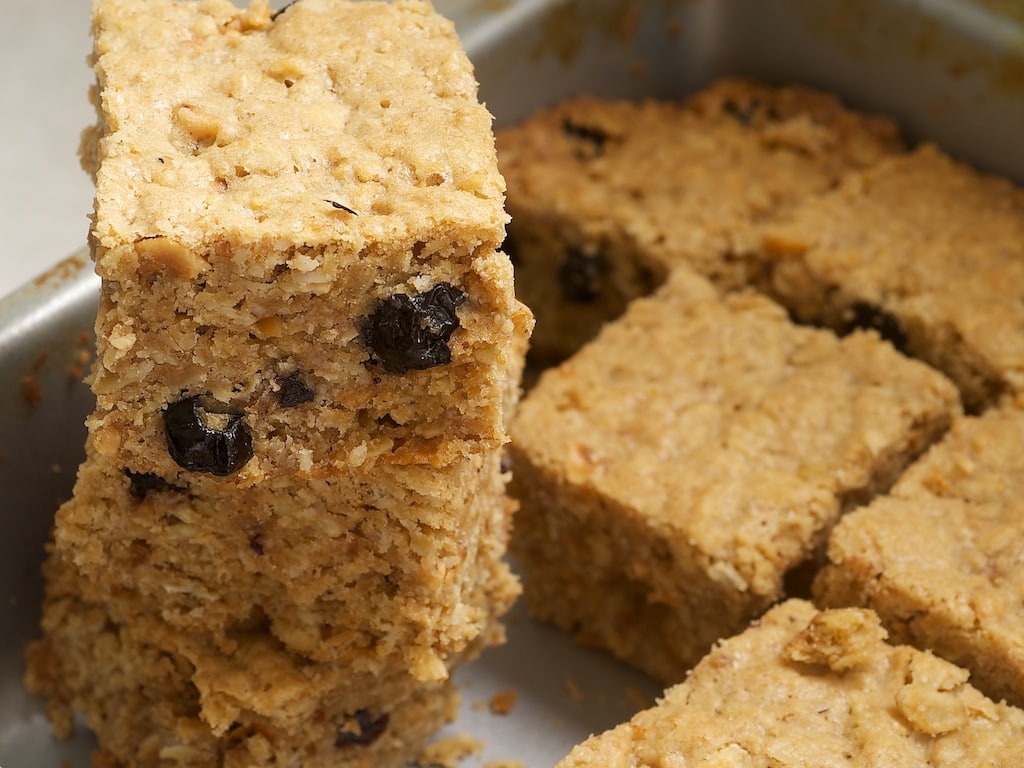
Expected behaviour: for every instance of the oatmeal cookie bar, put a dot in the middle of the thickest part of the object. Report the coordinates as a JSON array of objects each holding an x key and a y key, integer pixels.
[
  {"x": 337, "y": 572},
  {"x": 161, "y": 698},
  {"x": 308, "y": 348},
  {"x": 677, "y": 468},
  {"x": 942, "y": 558},
  {"x": 815, "y": 689},
  {"x": 923, "y": 248},
  {"x": 607, "y": 196}
]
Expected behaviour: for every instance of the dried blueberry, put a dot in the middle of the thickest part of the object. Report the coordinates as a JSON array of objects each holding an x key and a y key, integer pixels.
[
  {"x": 362, "y": 729},
  {"x": 582, "y": 275},
  {"x": 204, "y": 435},
  {"x": 595, "y": 138},
  {"x": 412, "y": 332},
  {"x": 294, "y": 390},
  {"x": 868, "y": 316},
  {"x": 142, "y": 483}
]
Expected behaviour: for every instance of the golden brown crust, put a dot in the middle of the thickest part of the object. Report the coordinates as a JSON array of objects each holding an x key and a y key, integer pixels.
[
  {"x": 926, "y": 246},
  {"x": 606, "y": 197},
  {"x": 676, "y": 468},
  {"x": 809, "y": 688},
  {"x": 939, "y": 559}
]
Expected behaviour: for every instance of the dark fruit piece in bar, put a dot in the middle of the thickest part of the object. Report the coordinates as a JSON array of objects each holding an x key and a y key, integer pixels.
[
  {"x": 204, "y": 435},
  {"x": 594, "y": 137},
  {"x": 582, "y": 276},
  {"x": 294, "y": 391},
  {"x": 408, "y": 333},
  {"x": 362, "y": 731},
  {"x": 142, "y": 483}
]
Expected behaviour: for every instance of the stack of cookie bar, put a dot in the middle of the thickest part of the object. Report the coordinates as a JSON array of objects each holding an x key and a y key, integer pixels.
[
  {"x": 291, "y": 520},
  {"x": 810, "y": 326}
]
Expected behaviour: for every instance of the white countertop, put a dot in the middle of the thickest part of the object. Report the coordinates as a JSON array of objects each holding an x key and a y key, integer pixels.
[{"x": 45, "y": 196}]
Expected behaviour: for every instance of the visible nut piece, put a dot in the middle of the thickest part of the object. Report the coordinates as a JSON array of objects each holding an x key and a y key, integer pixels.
[
  {"x": 255, "y": 17},
  {"x": 782, "y": 245},
  {"x": 201, "y": 126},
  {"x": 168, "y": 257},
  {"x": 288, "y": 69},
  {"x": 269, "y": 327},
  {"x": 840, "y": 639}
]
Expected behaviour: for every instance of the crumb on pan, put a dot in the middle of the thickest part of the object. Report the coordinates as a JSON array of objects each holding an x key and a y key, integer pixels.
[
  {"x": 449, "y": 752},
  {"x": 502, "y": 702},
  {"x": 573, "y": 689}
]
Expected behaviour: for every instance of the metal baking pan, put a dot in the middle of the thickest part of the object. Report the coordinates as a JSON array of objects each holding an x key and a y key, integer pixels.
[{"x": 951, "y": 71}]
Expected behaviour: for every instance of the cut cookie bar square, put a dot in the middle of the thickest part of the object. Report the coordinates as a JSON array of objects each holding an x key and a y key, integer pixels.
[
  {"x": 158, "y": 697},
  {"x": 941, "y": 559},
  {"x": 923, "y": 248},
  {"x": 815, "y": 689},
  {"x": 677, "y": 468},
  {"x": 396, "y": 569},
  {"x": 607, "y": 196},
  {"x": 297, "y": 228}
]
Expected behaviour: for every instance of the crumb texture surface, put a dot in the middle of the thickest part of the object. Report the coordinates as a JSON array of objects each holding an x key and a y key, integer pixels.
[
  {"x": 809, "y": 688},
  {"x": 958, "y": 588},
  {"x": 260, "y": 125},
  {"x": 719, "y": 440},
  {"x": 608, "y": 196},
  {"x": 929, "y": 242}
]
